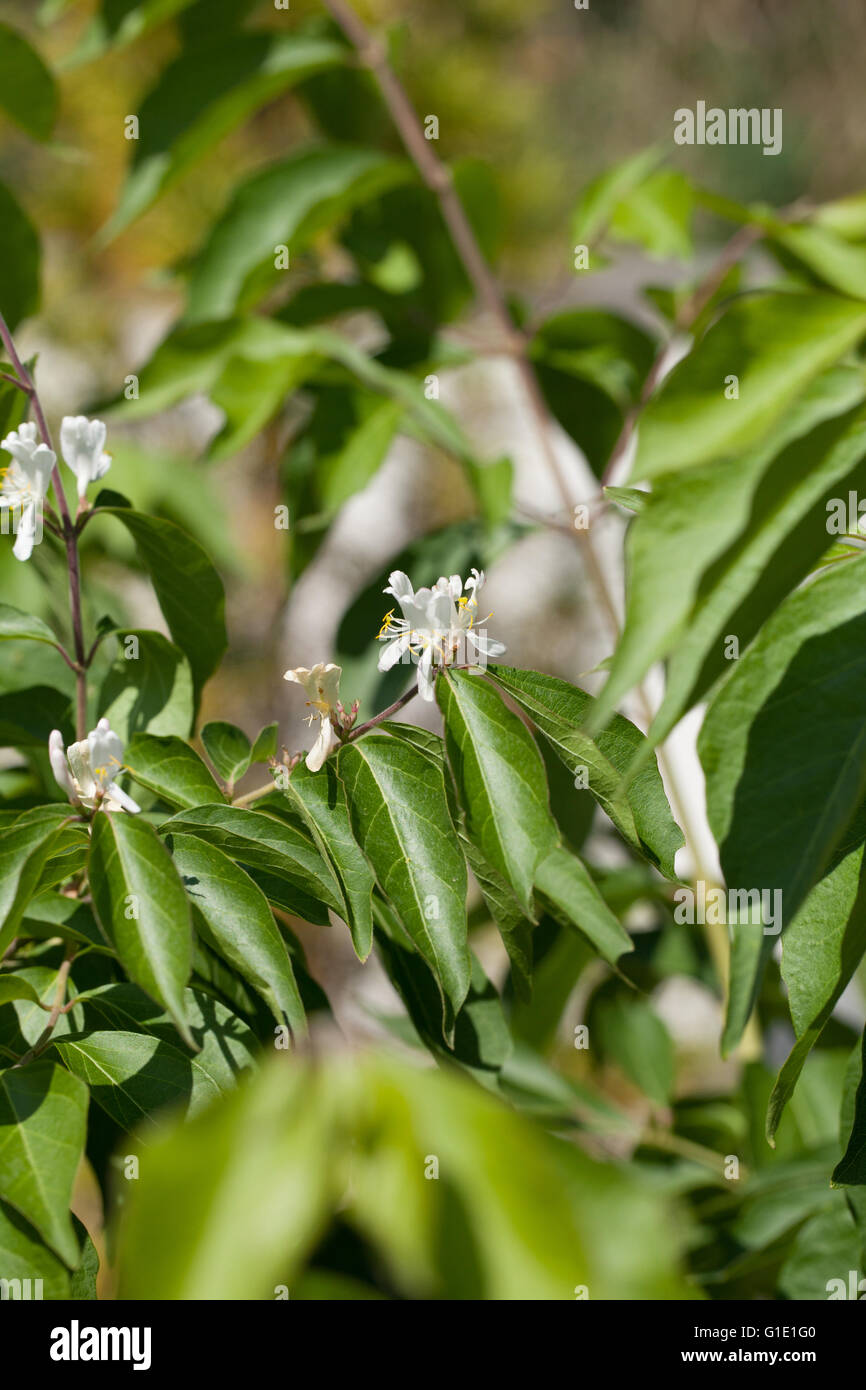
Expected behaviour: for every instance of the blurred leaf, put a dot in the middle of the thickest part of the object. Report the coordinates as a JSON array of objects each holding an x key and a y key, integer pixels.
[
  {"x": 844, "y": 216},
  {"x": 209, "y": 89},
  {"x": 601, "y": 198},
  {"x": 591, "y": 366},
  {"x": 27, "y": 89},
  {"x": 838, "y": 263},
  {"x": 631, "y": 1033},
  {"x": 43, "y": 1119},
  {"x": 14, "y": 624},
  {"x": 714, "y": 550},
  {"x": 774, "y": 343},
  {"x": 20, "y": 259},
  {"x": 515, "y": 1215},
  {"x": 142, "y": 908},
  {"x": 657, "y": 215},
  {"x": 286, "y": 204}
]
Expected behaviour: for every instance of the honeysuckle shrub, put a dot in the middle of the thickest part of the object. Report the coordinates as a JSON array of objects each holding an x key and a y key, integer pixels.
[{"x": 540, "y": 1134}]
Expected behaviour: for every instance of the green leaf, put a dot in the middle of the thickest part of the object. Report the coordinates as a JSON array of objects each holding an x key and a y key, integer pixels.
[
  {"x": 23, "y": 1256},
  {"x": 639, "y": 811},
  {"x": 631, "y": 1032},
  {"x": 568, "y": 888},
  {"x": 599, "y": 200},
  {"x": 28, "y": 716},
  {"x": 131, "y": 1075},
  {"x": 320, "y": 798},
  {"x": 27, "y": 89},
  {"x": 774, "y": 343},
  {"x": 482, "y": 1042},
  {"x": 239, "y": 925},
  {"x": 20, "y": 259},
  {"x": 363, "y": 455},
  {"x": 206, "y": 92},
  {"x": 713, "y": 551},
  {"x": 514, "y": 926},
  {"x": 43, "y": 1119},
  {"x": 265, "y": 745},
  {"x": 25, "y": 847},
  {"x": 142, "y": 908},
  {"x": 591, "y": 366},
  {"x": 225, "y": 1045},
  {"x": 500, "y": 779},
  {"x": 851, "y": 1168},
  {"x": 657, "y": 214},
  {"x": 83, "y": 1282},
  {"x": 189, "y": 590},
  {"x": 172, "y": 769},
  {"x": 285, "y": 204},
  {"x": 14, "y": 987},
  {"x": 839, "y": 263},
  {"x": 228, "y": 748},
  {"x": 269, "y": 1143},
  {"x": 148, "y": 691},
  {"x": 52, "y": 914},
  {"x": 400, "y": 817},
  {"x": 821, "y": 950},
  {"x": 14, "y": 624},
  {"x": 802, "y": 673},
  {"x": 270, "y": 848}
]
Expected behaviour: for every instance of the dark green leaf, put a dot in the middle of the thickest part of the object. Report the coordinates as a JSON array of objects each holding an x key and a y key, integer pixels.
[
  {"x": 239, "y": 924},
  {"x": 142, "y": 908},
  {"x": 400, "y": 818},
  {"x": 173, "y": 770}
]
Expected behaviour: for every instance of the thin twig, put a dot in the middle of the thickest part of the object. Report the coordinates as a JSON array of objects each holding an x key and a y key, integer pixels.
[
  {"x": 56, "y": 1008},
  {"x": 385, "y": 714}
]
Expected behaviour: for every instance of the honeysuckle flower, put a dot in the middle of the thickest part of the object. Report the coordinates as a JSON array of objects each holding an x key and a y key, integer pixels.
[
  {"x": 437, "y": 626},
  {"x": 322, "y": 685},
  {"x": 24, "y": 483},
  {"x": 86, "y": 770},
  {"x": 82, "y": 444}
]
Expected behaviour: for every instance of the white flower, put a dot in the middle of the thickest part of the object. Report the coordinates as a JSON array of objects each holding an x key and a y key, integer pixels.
[
  {"x": 24, "y": 483},
  {"x": 82, "y": 444},
  {"x": 437, "y": 625},
  {"x": 322, "y": 685},
  {"x": 86, "y": 770}
]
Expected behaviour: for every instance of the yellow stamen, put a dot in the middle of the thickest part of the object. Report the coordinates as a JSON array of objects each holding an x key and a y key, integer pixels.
[{"x": 386, "y": 623}]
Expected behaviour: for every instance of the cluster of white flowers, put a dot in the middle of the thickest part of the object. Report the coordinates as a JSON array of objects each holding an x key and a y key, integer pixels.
[
  {"x": 25, "y": 481},
  {"x": 438, "y": 626},
  {"x": 86, "y": 770}
]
